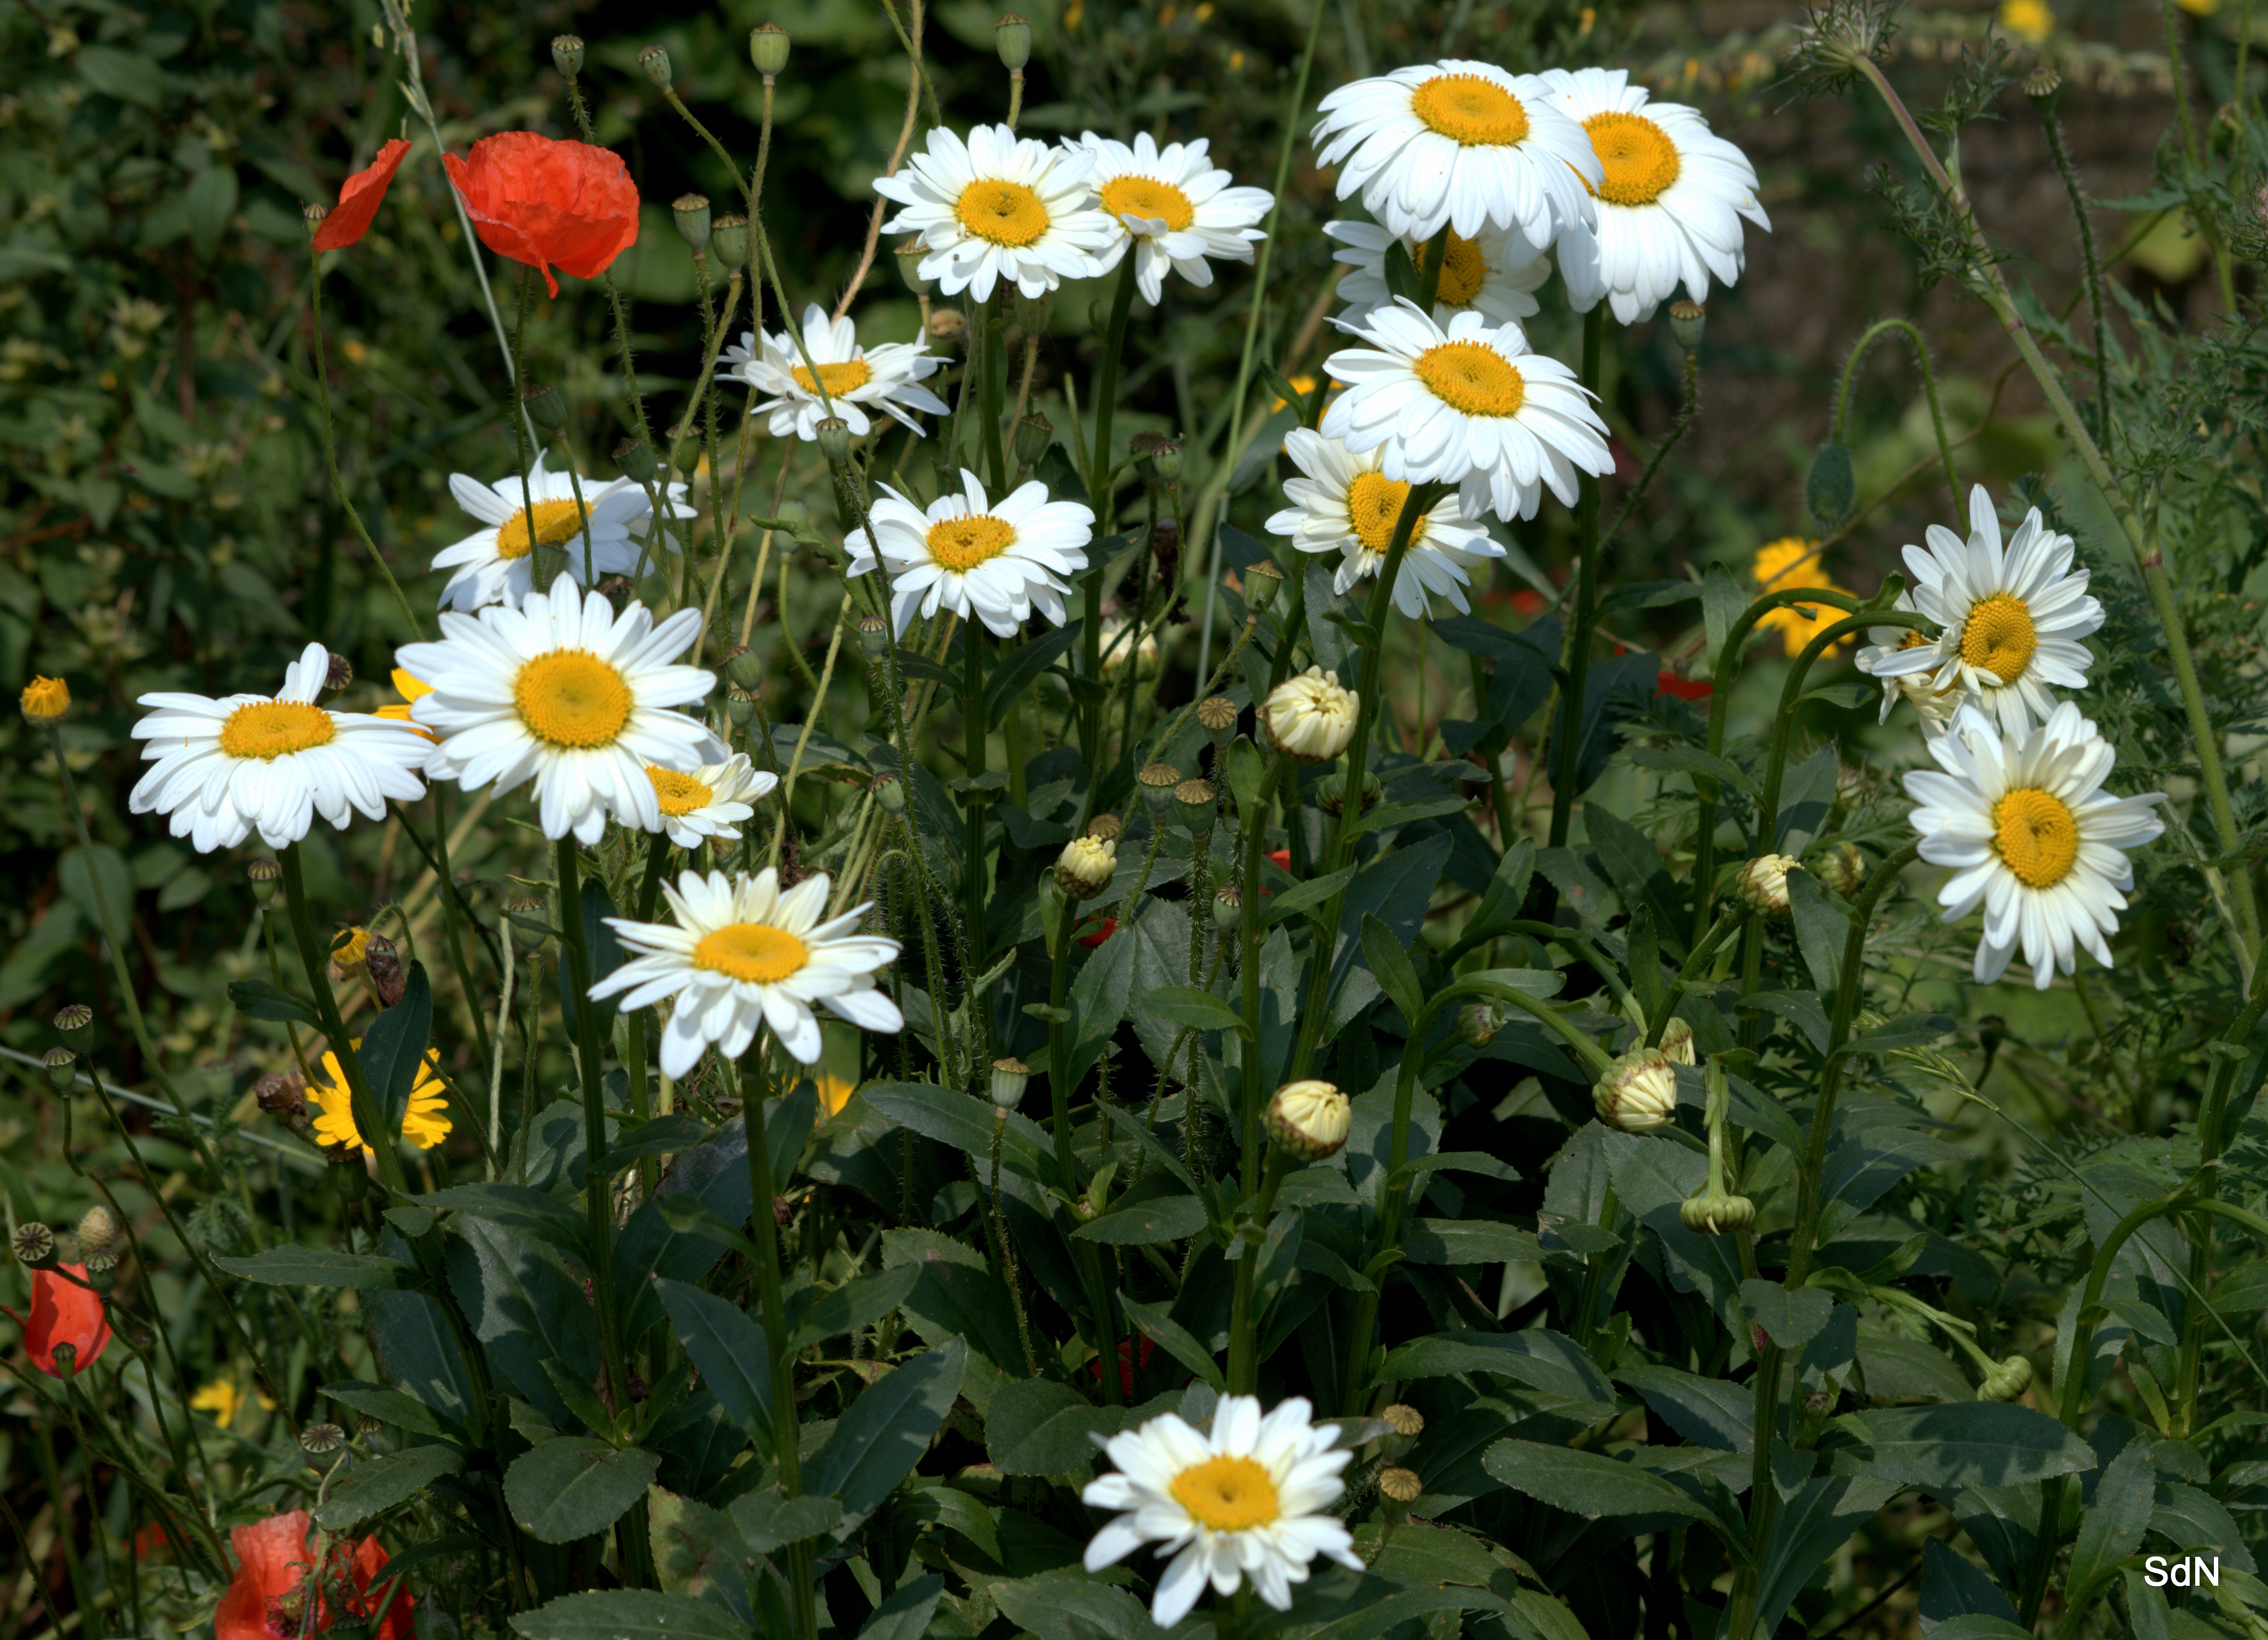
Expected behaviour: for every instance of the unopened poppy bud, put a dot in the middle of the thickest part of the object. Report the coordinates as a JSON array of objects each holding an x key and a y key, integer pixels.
[
  {"x": 635, "y": 457},
  {"x": 1688, "y": 321},
  {"x": 909, "y": 261},
  {"x": 1033, "y": 436},
  {"x": 1310, "y": 718},
  {"x": 567, "y": 55},
  {"x": 1010, "y": 1077},
  {"x": 768, "y": 46},
  {"x": 1309, "y": 1119},
  {"x": 1013, "y": 35},
  {"x": 1157, "y": 782},
  {"x": 728, "y": 238},
  {"x": 2008, "y": 1381},
  {"x": 1763, "y": 883},
  {"x": 318, "y": 1440},
  {"x": 1638, "y": 1092},
  {"x": 834, "y": 440},
  {"x": 98, "y": 1228},
  {"x": 1842, "y": 868},
  {"x": 1400, "y": 1488},
  {"x": 1087, "y": 865},
  {"x": 34, "y": 1246},
  {"x": 873, "y": 637},
  {"x": 1198, "y": 802},
  {"x": 1677, "y": 1042},
  {"x": 45, "y": 699},
  {"x": 655, "y": 61},
  {"x": 740, "y": 705},
  {"x": 62, "y": 1069},
  {"x": 1831, "y": 486},
  {"x": 691, "y": 211},
  {"x": 1227, "y": 908},
  {"x": 546, "y": 408},
  {"x": 1478, "y": 1024},
  {"x": 76, "y": 1023},
  {"x": 1217, "y": 717},
  {"x": 744, "y": 667},
  {"x": 890, "y": 793},
  {"x": 266, "y": 876},
  {"x": 337, "y": 673},
  {"x": 1713, "y": 1212},
  {"x": 1034, "y": 313},
  {"x": 1262, "y": 582},
  {"x": 101, "y": 1271},
  {"x": 280, "y": 1092}
]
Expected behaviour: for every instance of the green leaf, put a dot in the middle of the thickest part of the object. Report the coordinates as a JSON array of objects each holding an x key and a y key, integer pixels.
[
  {"x": 257, "y": 999},
  {"x": 2115, "y": 1522},
  {"x": 211, "y": 201},
  {"x": 1409, "y": 814},
  {"x": 1020, "y": 667},
  {"x": 1186, "y": 1004},
  {"x": 388, "y": 1406},
  {"x": 1539, "y": 1358},
  {"x": 1378, "y": 1617},
  {"x": 573, "y": 1486},
  {"x": 105, "y": 896},
  {"x": 292, "y": 1265},
  {"x": 880, "y": 1440},
  {"x": 1158, "y": 1218},
  {"x": 393, "y": 1046},
  {"x": 525, "y": 1307},
  {"x": 658, "y": 1136},
  {"x": 126, "y": 75},
  {"x": 1041, "y": 1427},
  {"x": 1820, "y": 929},
  {"x": 767, "y": 1521},
  {"x": 1979, "y": 1626},
  {"x": 1793, "y": 1319},
  {"x": 1469, "y": 1241},
  {"x": 1507, "y": 890},
  {"x": 1693, "y": 760},
  {"x": 1722, "y": 603},
  {"x": 1912, "y": 1030},
  {"x": 1175, "y": 1339},
  {"x": 965, "y": 1122},
  {"x": 1590, "y": 1483},
  {"x": 1634, "y": 867},
  {"x": 1708, "y": 1411},
  {"x": 905, "y": 1615},
  {"x": 956, "y": 1294},
  {"x": 858, "y": 1303},
  {"x": 1065, "y": 1606},
  {"x": 629, "y": 1614},
  {"x": 1308, "y": 898},
  {"x": 1815, "y": 1521},
  {"x": 1806, "y": 794},
  {"x": 1390, "y": 966},
  {"x": 531, "y": 1212},
  {"x": 377, "y": 1484},
  {"x": 697, "y": 1553},
  {"x": 1943, "y": 1448},
  {"x": 728, "y": 1348}
]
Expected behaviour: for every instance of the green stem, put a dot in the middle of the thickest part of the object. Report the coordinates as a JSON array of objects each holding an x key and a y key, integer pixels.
[
  {"x": 972, "y": 674},
  {"x": 1105, "y": 395},
  {"x": 1499, "y": 793},
  {"x": 1243, "y": 1345},
  {"x": 991, "y": 382},
  {"x": 1874, "y": 333},
  {"x": 1568, "y": 732},
  {"x": 314, "y": 958},
  {"x": 568, "y": 908},
  {"x": 1252, "y": 910},
  {"x": 2091, "y": 263}
]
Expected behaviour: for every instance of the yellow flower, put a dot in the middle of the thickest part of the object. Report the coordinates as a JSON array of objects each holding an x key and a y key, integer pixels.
[
  {"x": 425, "y": 1126},
  {"x": 44, "y": 700},
  {"x": 2028, "y": 20},
  {"x": 2199, "y": 8},
  {"x": 356, "y": 352},
  {"x": 411, "y": 690},
  {"x": 833, "y": 1094},
  {"x": 223, "y": 1400},
  {"x": 349, "y": 952},
  {"x": 1782, "y": 566}
]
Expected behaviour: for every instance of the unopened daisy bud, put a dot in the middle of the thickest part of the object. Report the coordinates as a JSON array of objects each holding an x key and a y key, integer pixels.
[
  {"x": 635, "y": 457},
  {"x": 101, "y": 1271},
  {"x": 546, "y": 408},
  {"x": 2042, "y": 84},
  {"x": 890, "y": 793},
  {"x": 34, "y": 1246},
  {"x": 1688, "y": 321},
  {"x": 339, "y": 674},
  {"x": 1197, "y": 803},
  {"x": 1034, "y": 435},
  {"x": 834, "y": 440},
  {"x": 1010, "y": 1077},
  {"x": 318, "y": 1439},
  {"x": 1831, "y": 487},
  {"x": 691, "y": 211},
  {"x": 1309, "y": 1119},
  {"x": 1399, "y": 1487},
  {"x": 62, "y": 1069},
  {"x": 1677, "y": 1042},
  {"x": 567, "y": 55},
  {"x": 1309, "y": 718},
  {"x": 1842, "y": 868},
  {"x": 768, "y": 44},
  {"x": 1217, "y": 716},
  {"x": 1332, "y": 795},
  {"x": 1764, "y": 883},
  {"x": 728, "y": 238},
  {"x": 266, "y": 876},
  {"x": 75, "y": 1022},
  {"x": 1107, "y": 826},
  {"x": 98, "y": 1228},
  {"x": 1087, "y": 865},
  {"x": 2008, "y": 1381},
  {"x": 1478, "y": 1024},
  {"x": 1011, "y": 35},
  {"x": 1714, "y": 1212},
  {"x": 1227, "y": 908},
  {"x": 45, "y": 699},
  {"x": 1638, "y": 1092},
  {"x": 655, "y": 61},
  {"x": 1262, "y": 582},
  {"x": 1157, "y": 782}
]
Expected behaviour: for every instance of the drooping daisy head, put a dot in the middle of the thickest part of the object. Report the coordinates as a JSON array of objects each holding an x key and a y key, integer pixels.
[
  {"x": 425, "y": 1125},
  {"x": 537, "y": 528},
  {"x": 1344, "y": 504},
  {"x": 245, "y": 763},
  {"x": 1172, "y": 207},
  {"x": 564, "y": 692},
  {"x": 1888, "y": 655},
  {"x": 1462, "y": 145},
  {"x": 999, "y": 209},
  {"x": 738, "y": 954},
  {"x": 706, "y": 802},
  {"x": 2021, "y": 817},
  {"x": 1495, "y": 274},
  {"x": 1246, "y": 1500},
  {"x": 885, "y": 377},
  {"x": 2012, "y": 618},
  {"x": 984, "y": 562},
  {"x": 1467, "y": 405},
  {"x": 1669, "y": 207},
  {"x": 1785, "y": 566}
]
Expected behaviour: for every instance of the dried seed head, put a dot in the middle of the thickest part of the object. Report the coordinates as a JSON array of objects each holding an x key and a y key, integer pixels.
[
  {"x": 75, "y": 1021},
  {"x": 35, "y": 1245},
  {"x": 317, "y": 1440}
]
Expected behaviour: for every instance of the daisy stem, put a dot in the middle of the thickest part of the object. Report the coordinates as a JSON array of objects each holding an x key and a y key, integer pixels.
[
  {"x": 1567, "y": 732},
  {"x": 1105, "y": 395},
  {"x": 1059, "y": 1090},
  {"x": 1247, "y": 968},
  {"x": 376, "y": 1137},
  {"x": 973, "y": 736},
  {"x": 1243, "y": 1345},
  {"x": 634, "y": 1067}
]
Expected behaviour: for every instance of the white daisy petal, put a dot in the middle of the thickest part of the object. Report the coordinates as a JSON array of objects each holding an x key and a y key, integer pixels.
[{"x": 981, "y": 561}]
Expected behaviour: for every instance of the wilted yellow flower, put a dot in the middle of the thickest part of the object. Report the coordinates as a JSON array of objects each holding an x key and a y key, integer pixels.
[{"x": 1782, "y": 565}]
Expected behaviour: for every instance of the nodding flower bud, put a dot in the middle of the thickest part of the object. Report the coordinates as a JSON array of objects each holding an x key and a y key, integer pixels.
[
  {"x": 744, "y": 667},
  {"x": 691, "y": 211},
  {"x": 1764, "y": 883},
  {"x": 265, "y": 876},
  {"x": 101, "y": 1267},
  {"x": 1309, "y": 1119},
  {"x": 1010, "y": 1077},
  {"x": 1688, "y": 321},
  {"x": 34, "y": 1246},
  {"x": 1310, "y": 718},
  {"x": 1087, "y": 865},
  {"x": 2008, "y": 1381},
  {"x": 1713, "y": 1212},
  {"x": 338, "y": 673},
  {"x": 1831, "y": 487},
  {"x": 909, "y": 261},
  {"x": 567, "y": 55},
  {"x": 45, "y": 699},
  {"x": 948, "y": 327},
  {"x": 1157, "y": 782},
  {"x": 1034, "y": 435},
  {"x": 834, "y": 440},
  {"x": 655, "y": 61},
  {"x": 1677, "y": 1042},
  {"x": 728, "y": 238},
  {"x": 1217, "y": 717},
  {"x": 1478, "y": 1022},
  {"x": 873, "y": 637},
  {"x": 1013, "y": 36},
  {"x": 1196, "y": 801},
  {"x": 1638, "y": 1092},
  {"x": 546, "y": 408},
  {"x": 890, "y": 793},
  {"x": 768, "y": 44},
  {"x": 1227, "y": 908},
  {"x": 98, "y": 1228},
  {"x": 62, "y": 1069},
  {"x": 280, "y": 1092},
  {"x": 1842, "y": 868},
  {"x": 1262, "y": 582},
  {"x": 635, "y": 457},
  {"x": 75, "y": 1021}
]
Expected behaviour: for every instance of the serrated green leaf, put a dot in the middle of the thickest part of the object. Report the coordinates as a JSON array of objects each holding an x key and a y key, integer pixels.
[
  {"x": 377, "y": 1484},
  {"x": 629, "y": 1614},
  {"x": 291, "y": 1265},
  {"x": 573, "y": 1486}
]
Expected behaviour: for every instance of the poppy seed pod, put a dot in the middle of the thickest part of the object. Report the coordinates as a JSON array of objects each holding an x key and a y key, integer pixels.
[
  {"x": 1227, "y": 908},
  {"x": 317, "y": 1440},
  {"x": 338, "y": 672},
  {"x": 567, "y": 55},
  {"x": 1034, "y": 434},
  {"x": 75, "y": 1022},
  {"x": 545, "y": 409},
  {"x": 744, "y": 667},
  {"x": 1196, "y": 800},
  {"x": 874, "y": 637},
  {"x": 1011, "y": 35},
  {"x": 740, "y": 706},
  {"x": 1688, "y": 321},
  {"x": 834, "y": 440},
  {"x": 768, "y": 48},
  {"x": 1087, "y": 865},
  {"x": 909, "y": 261},
  {"x": 1217, "y": 716},
  {"x": 1309, "y": 1119},
  {"x": 1106, "y": 827},
  {"x": 890, "y": 793},
  {"x": 34, "y": 1246},
  {"x": 1157, "y": 782},
  {"x": 1638, "y": 1092},
  {"x": 1763, "y": 883},
  {"x": 1262, "y": 582},
  {"x": 1400, "y": 1488},
  {"x": 1010, "y": 1077},
  {"x": 728, "y": 238},
  {"x": 62, "y": 1069},
  {"x": 1034, "y": 313},
  {"x": 101, "y": 1268},
  {"x": 691, "y": 212},
  {"x": 635, "y": 457},
  {"x": 655, "y": 61},
  {"x": 266, "y": 876}
]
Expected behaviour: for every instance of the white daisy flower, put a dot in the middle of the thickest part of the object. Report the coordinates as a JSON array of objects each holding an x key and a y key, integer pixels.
[
  {"x": 1246, "y": 1500},
  {"x": 1172, "y": 207},
  {"x": 706, "y": 802},
  {"x": 1877, "y": 658},
  {"x": 1345, "y": 505},
  {"x": 1669, "y": 208},
  {"x": 1467, "y": 405},
  {"x": 564, "y": 692},
  {"x": 885, "y": 377},
  {"x": 998, "y": 210},
  {"x": 496, "y": 564},
  {"x": 994, "y": 564},
  {"x": 1461, "y": 145},
  {"x": 245, "y": 763},
  {"x": 739, "y": 955},
  {"x": 1495, "y": 274},
  {"x": 2011, "y": 621},
  {"x": 2022, "y": 816}
]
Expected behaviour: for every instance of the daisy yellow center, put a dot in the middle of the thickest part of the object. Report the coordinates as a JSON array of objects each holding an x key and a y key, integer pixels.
[
  {"x": 548, "y": 523},
  {"x": 961, "y": 544},
  {"x": 1469, "y": 377},
  {"x": 1374, "y": 502},
  {"x": 1998, "y": 636},
  {"x": 836, "y": 378},
  {"x": 1461, "y": 270},
  {"x": 680, "y": 794},
  {"x": 1005, "y": 213},
  {"x": 1226, "y": 1494},
  {"x": 1148, "y": 197},
  {"x": 754, "y": 951},
  {"x": 572, "y": 698},
  {"x": 1470, "y": 109},
  {"x": 1639, "y": 160},
  {"x": 2037, "y": 836},
  {"x": 267, "y": 728},
  {"x": 1912, "y": 640}
]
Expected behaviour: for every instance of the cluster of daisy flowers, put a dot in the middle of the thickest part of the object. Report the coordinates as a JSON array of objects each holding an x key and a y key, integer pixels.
[{"x": 2017, "y": 804}]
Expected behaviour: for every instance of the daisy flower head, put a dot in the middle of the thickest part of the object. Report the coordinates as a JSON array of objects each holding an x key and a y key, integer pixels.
[
  {"x": 1467, "y": 404},
  {"x": 999, "y": 209},
  {"x": 2012, "y": 618},
  {"x": 1245, "y": 1500},
  {"x": 496, "y": 564},
  {"x": 1783, "y": 566},
  {"x": 1344, "y": 504},
  {"x": 564, "y": 692},
  {"x": 1460, "y": 144},
  {"x": 885, "y": 377},
  {"x": 705, "y": 802},
  {"x": 425, "y": 1125},
  {"x": 2021, "y": 817},
  {"x": 1172, "y": 207},
  {"x": 226, "y": 769},
  {"x": 1669, "y": 207},
  {"x": 991, "y": 564},
  {"x": 1880, "y": 658},
  {"x": 738, "y": 954},
  {"x": 1495, "y": 274}
]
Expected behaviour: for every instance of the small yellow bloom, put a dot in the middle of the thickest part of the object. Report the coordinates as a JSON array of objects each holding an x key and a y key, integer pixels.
[
  {"x": 2199, "y": 8},
  {"x": 833, "y": 1094},
  {"x": 425, "y": 1125},
  {"x": 349, "y": 952},
  {"x": 45, "y": 699},
  {"x": 1784, "y": 565},
  {"x": 356, "y": 351},
  {"x": 224, "y": 1399},
  {"x": 1236, "y": 63},
  {"x": 2028, "y": 20},
  {"x": 1073, "y": 13}
]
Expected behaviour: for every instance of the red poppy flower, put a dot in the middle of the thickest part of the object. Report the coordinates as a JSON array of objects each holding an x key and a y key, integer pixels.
[
  {"x": 1281, "y": 858},
  {"x": 1126, "y": 1364},
  {"x": 1683, "y": 688},
  {"x": 63, "y": 1313},
  {"x": 1109, "y": 927},
  {"x": 359, "y": 200},
  {"x": 266, "y": 1599},
  {"x": 1527, "y": 601},
  {"x": 548, "y": 203}
]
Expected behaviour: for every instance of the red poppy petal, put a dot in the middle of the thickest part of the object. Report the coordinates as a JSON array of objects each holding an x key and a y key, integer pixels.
[
  {"x": 271, "y": 1558},
  {"x": 64, "y": 1312},
  {"x": 359, "y": 200}
]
